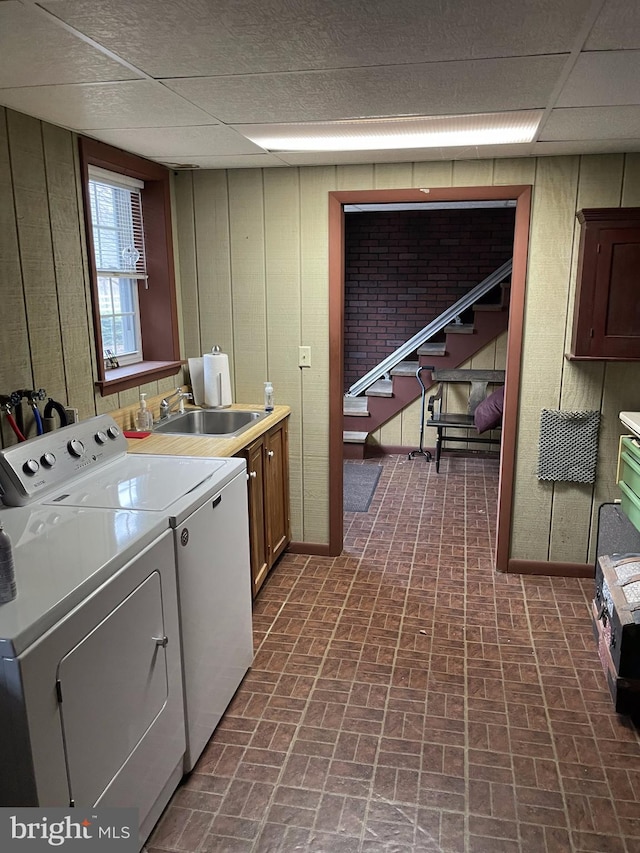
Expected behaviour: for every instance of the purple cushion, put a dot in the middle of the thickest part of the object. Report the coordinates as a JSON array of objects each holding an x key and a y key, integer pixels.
[{"x": 488, "y": 414}]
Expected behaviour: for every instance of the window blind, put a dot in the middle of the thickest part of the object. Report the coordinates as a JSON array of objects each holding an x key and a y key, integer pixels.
[{"x": 116, "y": 219}]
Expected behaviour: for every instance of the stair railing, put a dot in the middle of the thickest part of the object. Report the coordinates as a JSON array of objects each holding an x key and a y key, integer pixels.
[{"x": 448, "y": 316}]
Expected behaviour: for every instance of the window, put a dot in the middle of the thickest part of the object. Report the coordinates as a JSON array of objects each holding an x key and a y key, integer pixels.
[
  {"x": 127, "y": 213},
  {"x": 118, "y": 247}
]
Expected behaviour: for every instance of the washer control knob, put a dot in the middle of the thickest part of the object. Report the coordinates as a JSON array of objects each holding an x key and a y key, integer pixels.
[
  {"x": 75, "y": 447},
  {"x": 100, "y": 437},
  {"x": 113, "y": 431},
  {"x": 48, "y": 460},
  {"x": 31, "y": 466}
]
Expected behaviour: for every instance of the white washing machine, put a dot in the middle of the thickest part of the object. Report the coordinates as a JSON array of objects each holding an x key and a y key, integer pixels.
[
  {"x": 85, "y": 468},
  {"x": 91, "y": 709}
]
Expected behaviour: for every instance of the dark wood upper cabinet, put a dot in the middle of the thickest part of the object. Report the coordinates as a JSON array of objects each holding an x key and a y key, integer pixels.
[{"x": 606, "y": 320}]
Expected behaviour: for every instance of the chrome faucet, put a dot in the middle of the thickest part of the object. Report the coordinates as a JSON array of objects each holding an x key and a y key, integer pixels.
[{"x": 167, "y": 406}]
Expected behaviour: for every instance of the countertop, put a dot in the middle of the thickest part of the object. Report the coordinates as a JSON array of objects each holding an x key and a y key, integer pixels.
[
  {"x": 632, "y": 421},
  {"x": 202, "y": 445}
]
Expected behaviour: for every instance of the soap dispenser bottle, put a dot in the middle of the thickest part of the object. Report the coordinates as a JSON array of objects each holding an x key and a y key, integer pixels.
[
  {"x": 144, "y": 420},
  {"x": 268, "y": 397}
]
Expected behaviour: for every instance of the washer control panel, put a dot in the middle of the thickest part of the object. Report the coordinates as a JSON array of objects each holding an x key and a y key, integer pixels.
[{"x": 36, "y": 466}]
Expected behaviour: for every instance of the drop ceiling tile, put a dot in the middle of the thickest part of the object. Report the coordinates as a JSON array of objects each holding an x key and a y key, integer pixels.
[
  {"x": 195, "y": 37},
  {"x": 187, "y": 142},
  {"x": 427, "y": 89},
  {"x": 592, "y": 123},
  {"x": 244, "y": 161},
  {"x": 590, "y": 146},
  {"x": 488, "y": 152},
  {"x": 603, "y": 78},
  {"x": 139, "y": 103},
  {"x": 37, "y": 51},
  {"x": 617, "y": 26}
]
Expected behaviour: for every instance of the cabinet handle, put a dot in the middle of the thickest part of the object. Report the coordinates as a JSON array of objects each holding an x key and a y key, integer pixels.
[
  {"x": 269, "y": 453},
  {"x": 253, "y": 475}
]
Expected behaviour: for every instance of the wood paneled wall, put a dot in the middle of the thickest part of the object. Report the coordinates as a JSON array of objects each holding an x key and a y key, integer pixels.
[
  {"x": 253, "y": 259},
  {"x": 46, "y": 331},
  {"x": 558, "y": 521},
  {"x": 252, "y": 251}
]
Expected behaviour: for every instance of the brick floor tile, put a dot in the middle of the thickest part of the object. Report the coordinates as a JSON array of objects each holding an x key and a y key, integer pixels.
[{"x": 404, "y": 697}]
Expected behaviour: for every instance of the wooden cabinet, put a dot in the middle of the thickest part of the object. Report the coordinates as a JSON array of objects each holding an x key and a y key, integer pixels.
[
  {"x": 269, "y": 522},
  {"x": 606, "y": 321},
  {"x": 255, "y": 456}
]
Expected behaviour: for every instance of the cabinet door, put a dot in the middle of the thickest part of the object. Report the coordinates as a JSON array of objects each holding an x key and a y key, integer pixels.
[
  {"x": 607, "y": 309},
  {"x": 215, "y": 600},
  {"x": 617, "y": 306},
  {"x": 112, "y": 687},
  {"x": 277, "y": 490},
  {"x": 257, "y": 521}
]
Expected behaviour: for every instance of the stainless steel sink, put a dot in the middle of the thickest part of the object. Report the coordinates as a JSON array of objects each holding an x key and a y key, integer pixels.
[{"x": 221, "y": 423}]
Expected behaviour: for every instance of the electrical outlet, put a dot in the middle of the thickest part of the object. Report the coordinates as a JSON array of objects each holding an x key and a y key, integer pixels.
[
  {"x": 304, "y": 356},
  {"x": 72, "y": 415}
]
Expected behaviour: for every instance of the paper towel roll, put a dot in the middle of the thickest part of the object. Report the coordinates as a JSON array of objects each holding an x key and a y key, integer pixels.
[{"x": 217, "y": 382}]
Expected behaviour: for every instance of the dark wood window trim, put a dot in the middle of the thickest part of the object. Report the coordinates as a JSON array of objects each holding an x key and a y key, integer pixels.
[{"x": 158, "y": 306}]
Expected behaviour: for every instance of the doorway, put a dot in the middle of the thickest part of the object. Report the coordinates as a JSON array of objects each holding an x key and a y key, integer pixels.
[{"x": 521, "y": 194}]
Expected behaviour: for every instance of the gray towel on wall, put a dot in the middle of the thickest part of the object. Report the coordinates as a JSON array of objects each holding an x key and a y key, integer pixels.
[{"x": 568, "y": 449}]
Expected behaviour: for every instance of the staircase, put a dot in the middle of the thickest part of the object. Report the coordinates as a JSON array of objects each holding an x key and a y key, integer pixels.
[{"x": 473, "y": 329}]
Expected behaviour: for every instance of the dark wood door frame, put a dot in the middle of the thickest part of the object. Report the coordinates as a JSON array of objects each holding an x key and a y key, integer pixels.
[{"x": 521, "y": 194}]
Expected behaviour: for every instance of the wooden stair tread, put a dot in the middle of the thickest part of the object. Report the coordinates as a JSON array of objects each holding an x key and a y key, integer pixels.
[
  {"x": 460, "y": 374},
  {"x": 460, "y": 329},
  {"x": 433, "y": 348},
  {"x": 488, "y": 306},
  {"x": 381, "y": 388},
  {"x": 353, "y": 437},
  {"x": 405, "y": 368},
  {"x": 356, "y": 407}
]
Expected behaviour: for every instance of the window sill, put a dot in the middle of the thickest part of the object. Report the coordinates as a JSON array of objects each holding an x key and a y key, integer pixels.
[
  {"x": 122, "y": 378},
  {"x": 572, "y": 357}
]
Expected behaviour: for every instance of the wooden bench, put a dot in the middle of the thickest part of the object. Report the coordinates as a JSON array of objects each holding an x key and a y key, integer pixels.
[{"x": 478, "y": 382}]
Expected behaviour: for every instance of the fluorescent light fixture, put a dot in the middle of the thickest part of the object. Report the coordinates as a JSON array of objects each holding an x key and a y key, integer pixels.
[{"x": 387, "y": 133}]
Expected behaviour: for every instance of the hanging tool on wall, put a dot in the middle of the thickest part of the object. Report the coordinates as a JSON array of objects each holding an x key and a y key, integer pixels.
[{"x": 7, "y": 403}]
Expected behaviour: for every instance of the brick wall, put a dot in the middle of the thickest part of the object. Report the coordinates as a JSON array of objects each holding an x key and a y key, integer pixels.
[{"x": 404, "y": 268}]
